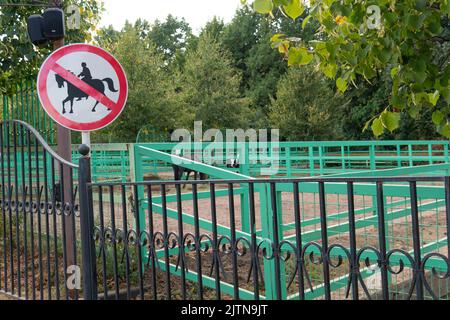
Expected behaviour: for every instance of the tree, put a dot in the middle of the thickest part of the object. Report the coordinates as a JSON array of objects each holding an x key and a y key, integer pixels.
[
  {"x": 302, "y": 114},
  {"x": 19, "y": 59},
  {"x": 247, "y": 37},
  {"x": 210, "y": 87},
  {"x": 151, "y": 97},
  {"x": 364, "y": 102},
  {"x": 240, "y": 36},
  {"x": 369, "y": 100},
  {"x": 170, "y": 36},
  {"x": 264, "y": 68},
  {"x": 214, "y": 28},
  {"x": 362, "y": 39}
]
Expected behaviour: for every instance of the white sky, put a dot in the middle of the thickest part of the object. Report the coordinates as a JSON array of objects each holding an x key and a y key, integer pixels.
[{"x": 196, "y": 12}]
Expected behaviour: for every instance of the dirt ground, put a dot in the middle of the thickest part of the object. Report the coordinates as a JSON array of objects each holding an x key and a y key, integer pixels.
[{"x": 6, "y": 297}]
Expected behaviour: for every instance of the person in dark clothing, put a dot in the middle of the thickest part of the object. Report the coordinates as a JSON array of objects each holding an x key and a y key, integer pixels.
[{"x": 86, "y": 73}]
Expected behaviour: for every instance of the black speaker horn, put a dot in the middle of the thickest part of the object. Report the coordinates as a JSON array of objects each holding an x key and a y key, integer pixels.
[
  {"x": 54, "y": 28},
  {"x": 35, "y": 30}
]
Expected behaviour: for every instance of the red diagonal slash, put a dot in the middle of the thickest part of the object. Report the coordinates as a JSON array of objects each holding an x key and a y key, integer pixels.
[{"x": 83, "y": 86}]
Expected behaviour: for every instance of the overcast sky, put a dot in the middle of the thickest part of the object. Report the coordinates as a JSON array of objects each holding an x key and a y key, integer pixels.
[{"x": 196, "y": 12}]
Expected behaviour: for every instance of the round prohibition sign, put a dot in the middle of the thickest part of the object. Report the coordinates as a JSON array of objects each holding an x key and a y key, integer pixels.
[{"x": 82, "y": 87}]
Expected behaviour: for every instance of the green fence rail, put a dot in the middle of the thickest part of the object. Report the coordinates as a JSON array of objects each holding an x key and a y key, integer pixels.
[{"x": 115, "y": 161}]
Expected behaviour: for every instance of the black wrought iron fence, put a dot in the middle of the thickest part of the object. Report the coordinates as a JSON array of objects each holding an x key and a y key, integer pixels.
[
  {"x": 185, "y": 240},
  {"x": 39, "y": 216},
  {"x": 64, "y": 237}
]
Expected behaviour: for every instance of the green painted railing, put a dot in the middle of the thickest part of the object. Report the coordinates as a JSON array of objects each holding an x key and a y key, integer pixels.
[
  {"x": 24, "y": 105},
  {"x": 115, "y": 161},
  {"x": 431, "y": 198}
]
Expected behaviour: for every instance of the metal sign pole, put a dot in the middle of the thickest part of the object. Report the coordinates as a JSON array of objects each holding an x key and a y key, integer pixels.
[
  {"x": 65, "y": 151},
  {"x": 86, "y": 139}
]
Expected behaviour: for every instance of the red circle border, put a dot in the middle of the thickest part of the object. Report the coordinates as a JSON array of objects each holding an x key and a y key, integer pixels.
[{"x": 51, "y": 110}]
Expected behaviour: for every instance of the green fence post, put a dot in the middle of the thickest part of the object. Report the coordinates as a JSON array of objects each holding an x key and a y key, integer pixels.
[
  {"x": 132, "y": 161},
  {"x": 279, "y": 214},
  {"x": 95, "y": 164},
  {"x": 321, "y": 160},
  {"x": 267, "y": 228},
  {"x": 399, "y": 161},
  {"x": 311, "y": 160},
  {"x": 446, "y": 152},
  {"x": 138, "y": 175},
  {"x": 5, "y": 108},
  {"x": 288, "y": 161},
  {"x": 22, "y": 101},
  {"x": 372, "y": 160},
  {"x": 410, "y": 155},
  {"x": 430, "y": 153},
  {"x": 266, "y": 233},
  {"x": 245, "y": 169}
]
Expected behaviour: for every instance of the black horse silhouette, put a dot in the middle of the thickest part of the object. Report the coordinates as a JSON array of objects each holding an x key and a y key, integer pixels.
[{"x": 73, "y": 92}]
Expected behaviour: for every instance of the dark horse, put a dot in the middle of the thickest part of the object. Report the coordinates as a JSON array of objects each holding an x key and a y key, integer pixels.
[
  {"x": 178, "y": 172},
  {"x": 73, "y": 92}
]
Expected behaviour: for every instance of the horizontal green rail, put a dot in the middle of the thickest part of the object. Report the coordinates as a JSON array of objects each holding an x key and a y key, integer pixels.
[{"x": 300, "y": 158}]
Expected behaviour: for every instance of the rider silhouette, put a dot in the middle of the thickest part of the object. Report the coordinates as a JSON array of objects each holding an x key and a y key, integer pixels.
[{"x": 85, "y": 75}]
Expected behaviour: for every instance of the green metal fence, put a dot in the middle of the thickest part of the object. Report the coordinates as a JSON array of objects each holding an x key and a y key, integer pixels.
[
  {"x": 310, "y": 158},
  {"x": 24, "y": 105},
  {"x": 397, "y": 213}
]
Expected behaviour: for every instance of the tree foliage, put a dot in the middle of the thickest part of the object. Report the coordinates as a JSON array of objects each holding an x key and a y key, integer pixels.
[
  {"x": 358, "y": 40},
  {"x": 151, "y": 97},
  {"x": 230, "y": 76},
  {"x": 210, "y": 87},
  {"x": 302, "y": 114},
  {"x": 19, "y": 59},
  {"x": 170, "y": 36}
]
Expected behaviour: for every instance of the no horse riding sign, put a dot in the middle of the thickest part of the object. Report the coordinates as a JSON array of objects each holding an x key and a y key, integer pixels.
[{"x": 82, "y": 87}]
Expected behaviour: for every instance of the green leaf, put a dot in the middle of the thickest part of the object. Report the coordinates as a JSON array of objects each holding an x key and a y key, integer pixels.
[
  {"x": 367, "y": 125},
  {"x": 390, "y": 120},
  {"x": 306, "y": 58},
  {"x": 305, "y": 21},
  {"x": 263, "y": 6},
  {"x": 420, "y": 4},
  {"x": 299, "y": 56},
  {"x": 414, "y": 111},
  {"x": 445, "y": 131},
  {"x": 278, "y": 3},
  {"x": 433, "y": 97},
  {"x": 294, "y": 9},
  {"x": 330, "y": 70},
  {"x": 377, "y": 127},
  {"x": 394, "y": 72},
  {"x": 276, "y": 37},
  {"x": 341, "y": 84},
  {"x": 446, "y": 94},
  {"x": 437, "y": 117}
]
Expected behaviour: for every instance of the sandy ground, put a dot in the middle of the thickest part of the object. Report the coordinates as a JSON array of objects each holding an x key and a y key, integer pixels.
[{"x": 6, "y": 297}]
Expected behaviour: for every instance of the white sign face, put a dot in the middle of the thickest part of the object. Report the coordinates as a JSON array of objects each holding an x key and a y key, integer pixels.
[{"x": 82, "y": 87}]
